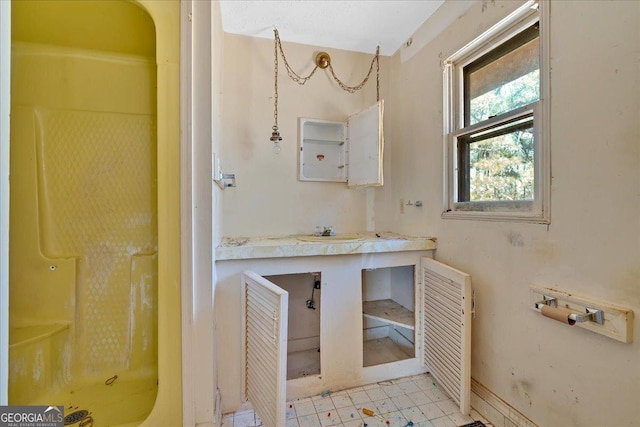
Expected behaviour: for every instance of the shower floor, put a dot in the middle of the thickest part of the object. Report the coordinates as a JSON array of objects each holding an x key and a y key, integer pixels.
[
  {"x": 303, "y": 363},
  {"x": 125, "y": 402}
]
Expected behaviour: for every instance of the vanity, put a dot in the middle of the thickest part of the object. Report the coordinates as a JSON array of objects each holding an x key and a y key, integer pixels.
[{"x": 352, "y": 308}]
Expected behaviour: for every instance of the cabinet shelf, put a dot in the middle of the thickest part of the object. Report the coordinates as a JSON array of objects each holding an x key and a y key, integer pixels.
[
  {"x": 389, "y": 311},
  {"x": 323, "y": 141}
]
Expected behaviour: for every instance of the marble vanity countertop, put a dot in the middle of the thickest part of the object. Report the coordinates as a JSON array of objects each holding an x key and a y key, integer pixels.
[{"x": 307, "y": 245}]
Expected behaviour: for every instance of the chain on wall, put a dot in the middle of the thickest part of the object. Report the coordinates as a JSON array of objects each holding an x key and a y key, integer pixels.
[{"x": 323, "y": 60}]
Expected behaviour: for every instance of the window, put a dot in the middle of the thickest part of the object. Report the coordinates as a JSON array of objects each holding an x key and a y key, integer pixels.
[{"x": 495, "y": 134}]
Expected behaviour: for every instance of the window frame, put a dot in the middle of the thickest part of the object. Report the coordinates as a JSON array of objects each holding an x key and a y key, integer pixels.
[{"x": 538, "y": 210}]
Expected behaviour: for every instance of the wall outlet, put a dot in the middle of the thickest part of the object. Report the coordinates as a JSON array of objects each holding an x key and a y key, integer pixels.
[{"x": 401, "y": 206}]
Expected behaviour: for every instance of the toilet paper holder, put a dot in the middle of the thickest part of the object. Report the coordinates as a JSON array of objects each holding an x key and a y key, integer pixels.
[
  {"x": 591, "y": 314},
  {"x": 617, "y": 321}
]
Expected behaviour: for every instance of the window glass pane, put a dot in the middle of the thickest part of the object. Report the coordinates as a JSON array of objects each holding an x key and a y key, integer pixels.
[
  {"x": 501, "y": 167},
  {"x": 503, "y": 84}
]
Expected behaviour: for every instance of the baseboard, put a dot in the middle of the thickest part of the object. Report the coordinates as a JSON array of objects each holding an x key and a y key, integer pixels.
[{"x": 496, "y": 410}]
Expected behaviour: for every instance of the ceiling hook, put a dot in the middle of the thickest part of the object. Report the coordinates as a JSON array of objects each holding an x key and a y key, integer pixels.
[{"x": 323, "y": 60}]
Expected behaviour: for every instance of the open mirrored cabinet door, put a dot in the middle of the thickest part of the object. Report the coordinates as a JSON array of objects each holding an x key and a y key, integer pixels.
[{"x": 366, "y": 147}]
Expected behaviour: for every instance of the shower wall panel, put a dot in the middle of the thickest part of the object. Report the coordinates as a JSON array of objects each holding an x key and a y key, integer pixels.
[
  {"x": 91, "y": 156},
  {"x": 95, "y": 173}
]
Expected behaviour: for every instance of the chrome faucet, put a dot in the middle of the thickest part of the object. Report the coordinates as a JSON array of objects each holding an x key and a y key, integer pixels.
[{"x": 325, "y": 230}]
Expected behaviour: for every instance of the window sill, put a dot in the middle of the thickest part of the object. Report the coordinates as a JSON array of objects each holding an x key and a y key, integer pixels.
[{"x": 502, "y": 216}]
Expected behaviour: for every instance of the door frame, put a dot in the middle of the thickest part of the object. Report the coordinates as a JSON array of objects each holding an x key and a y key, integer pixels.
[
  {"x": 5, "y": 110},
  {"x": 199, "y": 403}
]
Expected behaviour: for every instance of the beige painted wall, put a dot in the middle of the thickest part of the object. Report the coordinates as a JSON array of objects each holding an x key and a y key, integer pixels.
[
  {"x": 553, "y": 374},
  {"x": 269, "y": 199}
]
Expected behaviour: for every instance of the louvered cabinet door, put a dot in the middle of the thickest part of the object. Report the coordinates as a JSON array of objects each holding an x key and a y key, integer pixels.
[
  {"x": 265, "y": 311},
  {"x": 446, "y": 299}
]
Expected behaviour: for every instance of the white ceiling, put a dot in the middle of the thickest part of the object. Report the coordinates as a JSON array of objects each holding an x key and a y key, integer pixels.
[{"x": 356, "y": 25}]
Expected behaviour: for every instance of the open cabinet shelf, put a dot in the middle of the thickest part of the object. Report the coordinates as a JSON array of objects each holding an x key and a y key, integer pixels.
[
  {"x": 322, "y": 141},
  {"x": 389, "y": 311},
  {"x": 383, "y": 350}
]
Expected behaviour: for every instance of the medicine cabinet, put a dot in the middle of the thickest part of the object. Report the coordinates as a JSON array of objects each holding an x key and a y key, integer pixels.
[{"x": 348, "y": 152}]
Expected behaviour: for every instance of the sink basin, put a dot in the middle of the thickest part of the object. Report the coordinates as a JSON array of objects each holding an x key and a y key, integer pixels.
[{"x": 332, "y": 239}]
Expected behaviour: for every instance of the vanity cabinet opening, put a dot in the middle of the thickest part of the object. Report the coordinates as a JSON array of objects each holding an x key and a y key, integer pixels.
[
  {"x": 388, "y": 301},
  {"x": 303, "y": 331}
]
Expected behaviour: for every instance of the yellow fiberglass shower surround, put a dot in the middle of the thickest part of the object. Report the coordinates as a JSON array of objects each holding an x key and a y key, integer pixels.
[{"x": 94, "y": 250}]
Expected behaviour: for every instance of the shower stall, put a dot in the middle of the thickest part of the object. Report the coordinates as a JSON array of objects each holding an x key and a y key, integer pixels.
[{"x": 94, "y": 210}]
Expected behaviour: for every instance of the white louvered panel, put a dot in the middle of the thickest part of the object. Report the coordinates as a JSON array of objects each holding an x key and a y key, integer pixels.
[
  {"x": 265, "y": 328},
  {"x": 447, "y": 329}
]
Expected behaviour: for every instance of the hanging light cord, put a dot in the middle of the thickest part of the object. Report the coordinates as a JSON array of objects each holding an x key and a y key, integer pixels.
[{"x": 275, "y": 135}]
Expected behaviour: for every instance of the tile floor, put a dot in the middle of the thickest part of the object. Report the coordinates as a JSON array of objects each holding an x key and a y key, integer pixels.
[{"x": 417, "y": 399}]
